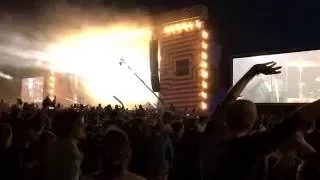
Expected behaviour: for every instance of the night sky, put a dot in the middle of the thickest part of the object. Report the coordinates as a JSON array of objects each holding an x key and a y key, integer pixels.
[{"x": 242, "y": 26}]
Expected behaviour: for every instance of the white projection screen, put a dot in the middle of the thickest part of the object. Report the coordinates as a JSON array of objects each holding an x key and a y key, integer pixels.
[
  {"x": 299, "y": 81},
  {"x": 32, "y": 89}
]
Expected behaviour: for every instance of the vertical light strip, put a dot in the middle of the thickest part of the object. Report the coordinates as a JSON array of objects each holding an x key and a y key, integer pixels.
[{"x": 204, "y": 74}]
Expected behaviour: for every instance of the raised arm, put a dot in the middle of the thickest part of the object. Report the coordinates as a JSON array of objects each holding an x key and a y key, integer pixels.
[
  {"x": 266, "y": 69},
  {"x": 218, "y": 116}
]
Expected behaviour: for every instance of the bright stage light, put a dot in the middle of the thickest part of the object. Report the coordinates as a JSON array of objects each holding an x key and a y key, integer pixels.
[
  {"x": 204, "y": 106},
  {"x": 204, "y": 95},
  {"x": 198, "y": 24},
  {"x": 204, "y": 55},
  {"x": 94, "y": 55},
  {"x": 204, "y": 45},
  {"x": 204, "y": 64},
  {"x": 205, "y": 35},
  {"x": 204, "y": 74},
  {"x": 204, "y": 85}
]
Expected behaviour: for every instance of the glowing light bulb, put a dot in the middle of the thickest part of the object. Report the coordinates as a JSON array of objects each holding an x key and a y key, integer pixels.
[
  {"x": 204, "y": 106},
  {"x": 204, "y": 95},
  {"x": 204, "y": 74},
  {"x": 204, "y": 45},
  {"x": 205, "y": 35},
  {"x": 198, "y": 24},
  {"x": 204, "y": 64},
  {"x": 204, "y": 55},
  {"x": 204, "y": 85}
]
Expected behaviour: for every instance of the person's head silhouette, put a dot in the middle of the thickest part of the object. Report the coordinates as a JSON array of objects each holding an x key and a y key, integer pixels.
[{"x": 241, "y": 116}]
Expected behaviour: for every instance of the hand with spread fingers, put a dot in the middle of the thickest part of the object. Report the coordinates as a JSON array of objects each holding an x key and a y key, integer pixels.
[{"x": 267, "y": 68}]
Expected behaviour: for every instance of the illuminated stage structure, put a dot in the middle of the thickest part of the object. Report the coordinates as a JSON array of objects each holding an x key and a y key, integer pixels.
[
  {"x": 82, "y": 66},
  {"x": 183, "y": 58},
  {"x": 187, "y": 58}
]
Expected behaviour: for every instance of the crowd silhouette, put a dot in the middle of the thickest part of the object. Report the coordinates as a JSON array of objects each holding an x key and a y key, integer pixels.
[{"x": 106, "y": 143}]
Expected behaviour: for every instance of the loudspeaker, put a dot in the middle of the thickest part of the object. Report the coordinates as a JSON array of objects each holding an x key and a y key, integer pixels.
[{"x": 154, "y": 66}]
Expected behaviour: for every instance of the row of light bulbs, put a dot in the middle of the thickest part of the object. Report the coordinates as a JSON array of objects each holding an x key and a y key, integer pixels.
[{"x": 183, "y": 27}]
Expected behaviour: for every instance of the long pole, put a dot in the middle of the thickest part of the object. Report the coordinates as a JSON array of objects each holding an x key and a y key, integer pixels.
[
  {"x": 122, "y": 62},
  {"x": 119, "y": 101}
]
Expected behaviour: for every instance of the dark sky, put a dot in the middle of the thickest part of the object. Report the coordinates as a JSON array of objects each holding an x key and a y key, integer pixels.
[
  {"x": 242, "y": 26},
  {"x": 267, "y": 25},
  {"x": 249, "y": 26}
]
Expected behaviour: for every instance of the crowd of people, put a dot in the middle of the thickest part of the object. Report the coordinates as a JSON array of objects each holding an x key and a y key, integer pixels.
[{"x": 112, "y": 143}]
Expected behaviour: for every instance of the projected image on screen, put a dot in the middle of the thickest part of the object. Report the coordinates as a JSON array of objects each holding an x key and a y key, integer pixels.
[
  {"x": 299, "y": 81},
  {"x": 32, "y": 90}
]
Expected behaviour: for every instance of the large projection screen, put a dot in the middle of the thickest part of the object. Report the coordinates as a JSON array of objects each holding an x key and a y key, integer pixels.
[
  {"x": 299, "y": 81},
  {"x": 32, "y": 89}
]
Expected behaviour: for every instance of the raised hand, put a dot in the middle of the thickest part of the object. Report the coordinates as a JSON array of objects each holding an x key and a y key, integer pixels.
[{"x": 267, "y": 68}]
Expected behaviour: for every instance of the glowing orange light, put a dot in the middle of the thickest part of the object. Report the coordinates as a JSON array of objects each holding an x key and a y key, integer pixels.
[
  {"x": 204, "y": 106},
  {"x": 204, "y": 95},
  {"x": 204, "y": 74},
  {"x": 204, "y": 64},
  {"x": 185, "y": 26},
  {"x": 87, "y": 49},
  {"x": 205, "y": 35},
  {"x": 198, "y": 24},
  {"x": 204, "y": 55},
  {"x": 204, "y": 85},
  {"x": 204, "y": 45}
]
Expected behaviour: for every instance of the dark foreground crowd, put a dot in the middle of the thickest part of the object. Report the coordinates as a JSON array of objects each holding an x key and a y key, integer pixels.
[{"x": 106, "y": 143}]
